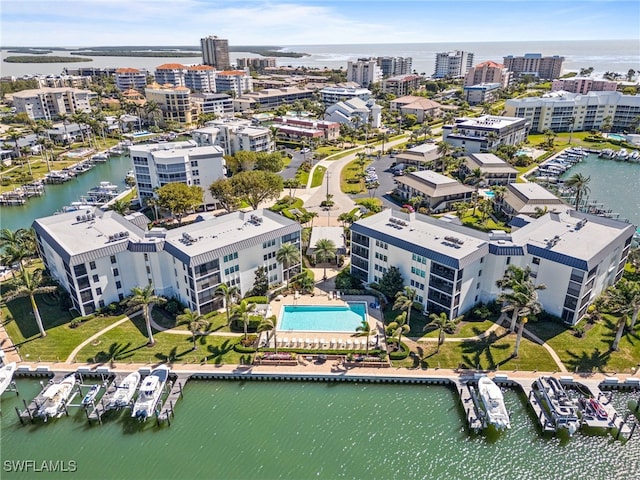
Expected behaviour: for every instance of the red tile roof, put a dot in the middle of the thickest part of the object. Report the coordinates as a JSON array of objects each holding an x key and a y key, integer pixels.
[
  {"x": 127, "y": 70},
  {"x": 171, "y": 66},
  {"x": 200, "y": 67},
  {"x": 489, "y": 64}
]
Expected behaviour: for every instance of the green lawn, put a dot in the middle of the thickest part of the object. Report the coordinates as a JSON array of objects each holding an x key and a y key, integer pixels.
[
  {"x": 492, "y": 353},
  {"x": 591, "y": 352},
  {"x": 318, "y": 176},
  {"x": 475, "y": 221},
  {"x": 350, "y": 177},
  {"x": 61, "y": 339},
  {"x": 128, "y": 343}
]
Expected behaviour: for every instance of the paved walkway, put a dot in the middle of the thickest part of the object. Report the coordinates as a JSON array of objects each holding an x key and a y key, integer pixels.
[{"x": 72, "y": 355}]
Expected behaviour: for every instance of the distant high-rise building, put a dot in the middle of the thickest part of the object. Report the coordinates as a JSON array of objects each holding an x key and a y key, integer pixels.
[
  {"x": 364, "y": 72},
  {"x": 392, "y": 66},
  {"x": 453, "y": 64},
  {"x": 535, "y": 64},
  {"x": 215, "y": 52}
]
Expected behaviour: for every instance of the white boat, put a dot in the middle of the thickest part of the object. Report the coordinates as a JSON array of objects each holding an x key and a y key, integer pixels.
[
  {"x": 100, "y": 157},
  {"x": 125, "y": 391},
  {"x": 55, "y": 396},
  {"x": 150, "y": 392},
  {"x": 104, "y": 192},
  {"x": 6, "y": 375},
  {"x": 563, "y": 409},
  {"x": 493, "y": 403},
  {"x": 91, "y": 394}
]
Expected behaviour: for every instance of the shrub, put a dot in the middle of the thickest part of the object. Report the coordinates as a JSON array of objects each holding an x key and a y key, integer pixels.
[
  {"x": 238, "y": 347},
  {"x": 400, "y": 354},
  {"x": 238, "y": 327},
  {"x": 257, "y": 299},
  {"x": 174, "y": 306}
]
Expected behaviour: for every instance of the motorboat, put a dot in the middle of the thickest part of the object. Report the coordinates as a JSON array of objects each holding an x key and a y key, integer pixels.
[
  {"x": 91, "y": 395},
  {"x": 125, "y": 391},
  {"x": 150, "y": 392},
  {"x": 56, "y": 395},
  {"x": 493, "y": 404},
  {"x": 6, "y": 375},
  {"x": 563, "y": 409},
  {"x": 104, "y": 192},
  {"x": 100, "y": 157}
]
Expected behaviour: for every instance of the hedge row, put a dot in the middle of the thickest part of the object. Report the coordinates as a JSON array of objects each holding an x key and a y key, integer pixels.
[{"x": 400, "y": 354}]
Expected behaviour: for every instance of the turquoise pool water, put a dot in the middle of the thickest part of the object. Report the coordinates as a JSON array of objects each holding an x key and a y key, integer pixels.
[
  {"x": 143, "y": 133},
  {"x": 314, "y": 318},
  {"x": 616, "y": 137}
]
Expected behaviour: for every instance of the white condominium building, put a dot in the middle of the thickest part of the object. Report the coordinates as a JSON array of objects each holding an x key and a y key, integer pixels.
[
  {"x": 127, "y": 78},
  {"x": 453, "y": 64},
  {"x": 562, "y": 112},
  {"x": 488, "y": 72},
  {"x": 484, "y": 133},
  {"x": 330, "y": 95},
  {"x": 99, "y": 257},
  {"x": 157, "y": 164},
  {"x": 200, "y": 78},
  {"x": 453, "y": 268},
  {"x": 271, "y": 98},
  {"x": 236, "y": 82},
  {"x": 49, "y": 103},
  {"x": 364, "y": 72},
  {"x": 535, "y": 64},
  {"x": 171, "y": 74},
  {"x": 219, "y": 104},
  {"x": 235, "y": 134}
]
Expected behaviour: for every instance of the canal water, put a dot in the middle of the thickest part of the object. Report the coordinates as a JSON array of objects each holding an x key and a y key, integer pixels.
[
  {"x": 280, "y": 430},
  {"x": 614, "y": 184},
  {"x": 113, "y": 170}
]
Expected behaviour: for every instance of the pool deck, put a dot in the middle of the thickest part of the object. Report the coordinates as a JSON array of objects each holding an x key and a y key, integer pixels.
[{"x": 325, "y": 299}]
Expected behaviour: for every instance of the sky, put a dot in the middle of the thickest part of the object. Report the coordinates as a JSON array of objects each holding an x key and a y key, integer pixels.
[{"x": 72, "y": 23}]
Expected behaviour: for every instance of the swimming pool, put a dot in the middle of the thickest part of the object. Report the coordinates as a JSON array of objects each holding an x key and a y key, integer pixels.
[
  {"x": 488, "y": 193},
  {"x": 318, "y": 318},
  {"x": 615, "y": 136},
  {"x": 143, "y": 133}
]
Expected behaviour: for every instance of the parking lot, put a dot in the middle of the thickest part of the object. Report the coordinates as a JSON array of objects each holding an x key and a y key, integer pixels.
[{"x": 385, "y": 178}]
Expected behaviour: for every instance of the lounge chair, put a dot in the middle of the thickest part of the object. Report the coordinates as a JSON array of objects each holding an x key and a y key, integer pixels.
[
  {"x": 308, "y": 343},
  {"x": 349, "y": 344},
  {"x": 337, "y": 294},
  {"x": 356, "y": 344}
]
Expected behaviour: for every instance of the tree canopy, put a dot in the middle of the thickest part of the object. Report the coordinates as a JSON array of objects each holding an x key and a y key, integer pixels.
[
  {"x": 256, "y": 186},
  {"x": 179, "y": 198},
  {"x": 223, "y": 192}
]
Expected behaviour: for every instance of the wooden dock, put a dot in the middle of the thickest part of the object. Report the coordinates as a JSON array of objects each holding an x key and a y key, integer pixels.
[
  {"x": 166, "y": 410},
  {"x": 613, "y": 420},
  {"x": 102, "y": 406},
  {"x": 30, "y": 411},
  {"x": 544, "y": 420},
  {"x": 469, "y": 400}
]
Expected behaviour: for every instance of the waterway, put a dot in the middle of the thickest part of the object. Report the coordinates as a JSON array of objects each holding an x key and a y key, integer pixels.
[
  {"x": 57, "y": 196},
  {"x": 614, "y": 184},
  {"x": 268, "y": 430}
]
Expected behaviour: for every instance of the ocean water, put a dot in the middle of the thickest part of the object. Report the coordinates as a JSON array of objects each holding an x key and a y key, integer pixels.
[
  {"x": 278, "y": 430},
  {"x": 609, "y": 55}
]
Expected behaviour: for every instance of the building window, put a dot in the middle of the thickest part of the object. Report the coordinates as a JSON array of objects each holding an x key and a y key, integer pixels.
[
  {"x": 148, "y": 270},
  {"x": 508, "y": 260},
  {"x": 113, "y": 259},
  {"x": 98, "y": 291},
  {"x": 116, "y": 273},
  {"x": 96, "y": 279},
  {"x": 118, "y": 285},
  {"x": 146, "y": 256},
  {"x": 101, "y": 304},
  {"x": 120, "y": 296},
  {"x": 479, "y": 273},
  {"x": 535, "y": 261},
  {"x": 92, "y": 265}
]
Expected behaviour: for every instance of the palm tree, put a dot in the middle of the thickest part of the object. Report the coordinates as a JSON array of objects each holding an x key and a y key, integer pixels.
[
  {"x": 475, "y": 177},
  {"x": 442, "y": 323},
  {"x": 120, "y": 206},
  {"x": 241, "y": 312},
  {"x": 17, "y": 245},
  {"x": 287, "y": 255},
  {"x": 146, "y": 298},
  {"x": 30, "y": 285},
  {"x": 229, "y": 295},
  {"x": 398, "y": 327},
  {"x": 514, "y": 279},
  {"x": 521, "y": 298},
  {"x": 364, "y": 330},
  {"x": 404, "y": 301},
  {"x": 460, "y": 208},
  {"x": 268, "y": 324},
  {"x": 580, "y": 185},
  {"x": 196, "y": 323},
  {"x": 624, "y": 300},
  {"x": 324, "y": 251}
]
